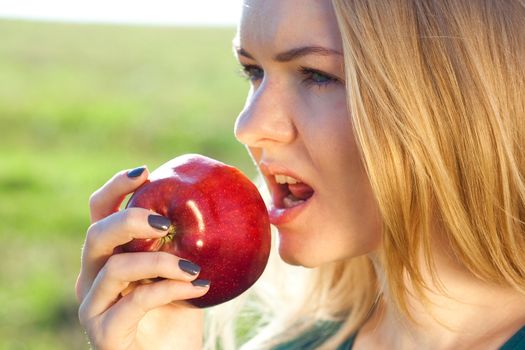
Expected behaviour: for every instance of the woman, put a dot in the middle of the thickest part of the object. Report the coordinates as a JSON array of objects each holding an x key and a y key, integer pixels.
[{"x": 403, "y": 123}]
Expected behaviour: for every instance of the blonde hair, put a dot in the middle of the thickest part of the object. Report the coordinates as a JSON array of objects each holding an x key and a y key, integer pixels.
[{"x": 436, "y": 94}]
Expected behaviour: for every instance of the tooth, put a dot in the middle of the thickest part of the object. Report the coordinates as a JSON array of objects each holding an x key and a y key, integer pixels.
[
  {"x": 290, "y": 201},
  {"x": 291, "y": 180},
  {"x": 280, "y": 179}
]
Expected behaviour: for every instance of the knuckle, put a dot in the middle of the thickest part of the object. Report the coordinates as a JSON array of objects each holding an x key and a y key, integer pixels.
[
  {"x": 94, "y": 200},
  {"x": 82, "y": 315},
  {"x": 131, "y": 218},
  {"x": 92, "y": 233},
  {"x": 160, "y": 261},
  {"x": 112, "y": 267},
  {"x": 138, "y": 297}
]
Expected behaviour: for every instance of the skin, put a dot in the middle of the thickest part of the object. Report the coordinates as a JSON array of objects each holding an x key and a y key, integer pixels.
[
  {"x": 295, "y": 117},
  {"x": 307, "y": 128},
  {"x": 298, "y": 119},
  {"x": 152, "y": 316}
]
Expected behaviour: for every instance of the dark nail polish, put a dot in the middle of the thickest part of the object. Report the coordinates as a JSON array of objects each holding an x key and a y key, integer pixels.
[
  {"x": 136, "y": 172},
  {"x": 159, "y": 222},
  {"x": 189, "y": 267},
  {"x": 201, "y": 283}
]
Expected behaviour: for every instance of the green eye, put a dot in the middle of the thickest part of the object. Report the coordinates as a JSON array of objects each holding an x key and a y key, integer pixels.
[
  {"x": 320, "y": 78},
  {"x": 317, "y": 78},
  {"x": 252, "y": 72}
]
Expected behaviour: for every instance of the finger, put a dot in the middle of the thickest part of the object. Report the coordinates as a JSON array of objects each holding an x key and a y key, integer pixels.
[
  {"x": 121, "y": 227},
  {"x": 124, "y": 268},
  {"x": 129, "y": 310},
  {"x": 107, "y": 199},
  {"x": 112, "y": 231}
]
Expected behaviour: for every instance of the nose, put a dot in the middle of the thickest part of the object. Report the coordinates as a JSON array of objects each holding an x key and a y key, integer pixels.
[{"x": 266, "y": 119}]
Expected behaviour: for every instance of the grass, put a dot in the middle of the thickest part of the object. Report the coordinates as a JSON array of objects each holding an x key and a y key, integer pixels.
[{"x": 77, "y": 104}]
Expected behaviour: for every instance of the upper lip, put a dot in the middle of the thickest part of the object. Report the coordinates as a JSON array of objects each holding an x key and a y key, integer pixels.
[{"x": 269, "y": 170}]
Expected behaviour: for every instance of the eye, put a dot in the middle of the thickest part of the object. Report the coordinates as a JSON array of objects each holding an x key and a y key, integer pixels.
[
  {"x": 318, "y": 78},
  {"x": 251, "y": 72}
]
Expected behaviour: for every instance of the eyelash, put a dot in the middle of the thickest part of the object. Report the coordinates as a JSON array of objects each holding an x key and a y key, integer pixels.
[
  {"x": 254, "y": 73},
  {"x": 247, "y": 72}
]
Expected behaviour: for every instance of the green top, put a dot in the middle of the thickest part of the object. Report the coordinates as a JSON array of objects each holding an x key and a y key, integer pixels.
[
  {"x": 311, "y": 340},
  {"x": 516, "y": 342}
]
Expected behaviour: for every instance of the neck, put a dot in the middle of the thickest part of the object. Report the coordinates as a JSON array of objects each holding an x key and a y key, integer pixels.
[{"x": 471, "y": 314}]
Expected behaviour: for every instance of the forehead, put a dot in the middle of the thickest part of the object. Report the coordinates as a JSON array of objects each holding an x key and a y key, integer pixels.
[{"x": 277, "y": 25}]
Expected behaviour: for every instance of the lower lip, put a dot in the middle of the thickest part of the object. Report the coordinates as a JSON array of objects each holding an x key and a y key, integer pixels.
[{"x": 281, "y": 216}]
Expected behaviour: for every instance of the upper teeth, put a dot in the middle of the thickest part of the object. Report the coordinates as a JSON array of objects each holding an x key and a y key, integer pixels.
[{"x": 283, "y": 179}]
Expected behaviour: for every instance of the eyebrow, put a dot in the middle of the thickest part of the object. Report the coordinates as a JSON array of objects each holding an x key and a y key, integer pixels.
[{"x": 295, "y": 53}]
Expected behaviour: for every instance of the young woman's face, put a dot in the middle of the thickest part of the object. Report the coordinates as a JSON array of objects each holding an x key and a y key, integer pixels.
[{"x": 296, "y": 127}]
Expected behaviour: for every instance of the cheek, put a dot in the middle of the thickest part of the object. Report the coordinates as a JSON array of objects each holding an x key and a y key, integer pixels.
[
  {"x": 344, "y": 228},
  {"x": 350, "y": 201},
  {"x": 341, "y": 106},
  {"x": 337, "y": 135},
  {"x": 336, "y": 105}
]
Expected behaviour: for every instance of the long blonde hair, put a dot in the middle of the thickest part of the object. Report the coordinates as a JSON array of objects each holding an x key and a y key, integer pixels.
[{"x": 436, "y": 94}]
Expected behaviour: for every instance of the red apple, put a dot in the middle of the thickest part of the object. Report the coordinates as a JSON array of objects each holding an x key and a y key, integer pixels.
[{"x": 219, "y": 222}]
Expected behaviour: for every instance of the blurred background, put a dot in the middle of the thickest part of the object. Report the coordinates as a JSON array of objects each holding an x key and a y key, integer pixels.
[{"x": 88, "y": 89}]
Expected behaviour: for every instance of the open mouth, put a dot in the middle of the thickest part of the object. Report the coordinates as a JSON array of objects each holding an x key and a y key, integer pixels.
[{"x": 289, "y": 192}]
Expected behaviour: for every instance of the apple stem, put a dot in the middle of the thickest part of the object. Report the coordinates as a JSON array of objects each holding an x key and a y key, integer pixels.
[{"x": 170, "y": 235}]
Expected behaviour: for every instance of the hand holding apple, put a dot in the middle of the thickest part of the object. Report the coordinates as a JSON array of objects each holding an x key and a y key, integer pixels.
[{"x": 218, "y": 221}]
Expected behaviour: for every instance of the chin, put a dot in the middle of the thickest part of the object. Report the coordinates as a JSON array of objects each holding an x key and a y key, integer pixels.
[
  {"x": 294, "y": 249},
  {"x": 297, "y": 254},
  {"x": 295, "y": 261}
]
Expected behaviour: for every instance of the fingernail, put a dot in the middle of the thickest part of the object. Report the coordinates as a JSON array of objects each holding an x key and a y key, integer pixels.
[
  {"x": 159, "y": 222},
  {"x": 189, "y": 267},
  {"x": 136, "y": 172},
  {"x": 201, "y": 283}
]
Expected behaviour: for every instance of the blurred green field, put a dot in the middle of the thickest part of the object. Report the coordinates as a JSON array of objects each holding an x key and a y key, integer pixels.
[{"x": 77, "y": 104}]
